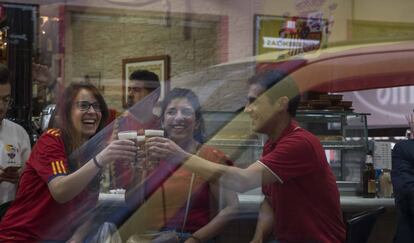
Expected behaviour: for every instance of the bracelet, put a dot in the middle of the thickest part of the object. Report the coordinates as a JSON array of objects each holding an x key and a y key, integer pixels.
[
  {"x": 96, "y": 163},
  {"x": 195, "y": 238}
]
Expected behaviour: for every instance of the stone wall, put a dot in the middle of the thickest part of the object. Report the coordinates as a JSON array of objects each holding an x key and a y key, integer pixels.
[{"x": 97, "y": 40}]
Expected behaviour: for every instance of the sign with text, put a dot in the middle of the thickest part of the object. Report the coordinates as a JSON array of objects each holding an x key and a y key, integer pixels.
[
  {"x": 295, "y": 34},
  {"x": 388, "y": 106}
]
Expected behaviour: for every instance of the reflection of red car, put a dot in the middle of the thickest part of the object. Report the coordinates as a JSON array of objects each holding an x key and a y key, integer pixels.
[{"x": 351, "y": 68}]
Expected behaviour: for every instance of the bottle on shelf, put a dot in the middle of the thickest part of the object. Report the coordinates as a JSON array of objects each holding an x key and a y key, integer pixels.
[
  {"x": 369, "y": 184},
  {"x": 386, "y": 189}
]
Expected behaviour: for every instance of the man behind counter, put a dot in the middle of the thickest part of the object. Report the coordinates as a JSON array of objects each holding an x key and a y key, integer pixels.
[
  {"x": 141, "y": 114},
  {"x": 301, "y": 196}
]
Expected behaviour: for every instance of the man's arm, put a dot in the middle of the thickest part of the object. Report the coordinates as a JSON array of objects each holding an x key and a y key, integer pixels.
[
  {"x": 231, "y": 177},
  {"x": 9, "y": 174},
  {"x": 12, "y": 174},
  {"x": 403, "y": 167},
  {"x": 402, "y": 175},
  {"x": 25, "y": 150},
  {"x": 264, "y": 222}
]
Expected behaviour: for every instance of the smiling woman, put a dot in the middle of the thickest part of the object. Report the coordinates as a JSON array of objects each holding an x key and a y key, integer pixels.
[
  {"x": 57, "y": 188},
  {"x": 84, "y": 119},
  {"x": 203, "y": 218}
]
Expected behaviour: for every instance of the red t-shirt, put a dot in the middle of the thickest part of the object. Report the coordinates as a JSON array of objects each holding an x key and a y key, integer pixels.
[
  {"x": 306, "y": 205},
  {"x": 166, "y": 205},
  {"x": 34, "y": 215}
]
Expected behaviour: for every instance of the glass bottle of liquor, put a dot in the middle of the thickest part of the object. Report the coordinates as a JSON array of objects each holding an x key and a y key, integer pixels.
[{"x": 368, "y": 178}]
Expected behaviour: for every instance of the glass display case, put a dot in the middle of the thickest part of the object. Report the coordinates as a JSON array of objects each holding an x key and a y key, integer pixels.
[{"x": 343, "y": 134}]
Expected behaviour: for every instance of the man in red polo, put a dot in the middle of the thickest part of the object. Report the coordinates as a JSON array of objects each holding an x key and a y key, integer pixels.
[{"x": 301, "y": 196}]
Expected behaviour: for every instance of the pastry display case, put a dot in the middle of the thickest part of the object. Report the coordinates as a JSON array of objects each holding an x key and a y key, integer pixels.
[{"x": 343, "y": 134}]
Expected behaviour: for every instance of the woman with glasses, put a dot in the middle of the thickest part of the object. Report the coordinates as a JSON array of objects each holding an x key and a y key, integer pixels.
[{"x": 58, "y": 189}]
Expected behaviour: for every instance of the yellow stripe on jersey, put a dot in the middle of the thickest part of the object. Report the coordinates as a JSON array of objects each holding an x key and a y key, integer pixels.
[
  {"x": 63, "y": 167},
  {"x": 54, "y": 168},
  {"x": 58, "y": 167},
  {"x": 54, "y": 132},
  {"x": 49, "y": 131}
]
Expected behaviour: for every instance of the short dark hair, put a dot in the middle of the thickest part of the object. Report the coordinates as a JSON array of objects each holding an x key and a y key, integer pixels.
[
  {"x": 269, "y": 79},
  {"x": 195, "y": 103},
  {"x": 4, "y": 74},
  {"x": 145, "y": 75}
]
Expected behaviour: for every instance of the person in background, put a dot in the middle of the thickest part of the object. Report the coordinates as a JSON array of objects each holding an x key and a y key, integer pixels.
[
  {"x": 402, "y": 175},
  {"x": 14, "y": 143},
  {"x": 139, "y": 116},
  {"x": 301, "y": 196},
  {"x": 57, "y": 190},
  {"x": 141, "y": 84},
  {"x": 183, "y": 123}
]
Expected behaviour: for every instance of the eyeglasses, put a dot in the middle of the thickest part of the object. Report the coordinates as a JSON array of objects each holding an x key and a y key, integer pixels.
[
  {"x": 6, "y": 101},
  {"x": 86, "y": 105}
]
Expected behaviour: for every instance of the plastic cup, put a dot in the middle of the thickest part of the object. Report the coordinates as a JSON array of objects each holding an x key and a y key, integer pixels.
[
  {"x": 151, "y": 163},
  {"x": 131, "y": 135},
  {"x": 154, "y": 133}
]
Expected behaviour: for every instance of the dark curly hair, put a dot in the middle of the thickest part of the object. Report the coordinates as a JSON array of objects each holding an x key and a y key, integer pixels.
[{"x": 195, "y": 103}]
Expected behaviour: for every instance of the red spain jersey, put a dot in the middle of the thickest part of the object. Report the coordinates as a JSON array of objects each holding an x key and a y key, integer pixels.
[{"x": 34, "y": 215}]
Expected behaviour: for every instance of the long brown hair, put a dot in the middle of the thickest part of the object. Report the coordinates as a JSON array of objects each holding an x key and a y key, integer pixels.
[{"x": 63, "y": 114}]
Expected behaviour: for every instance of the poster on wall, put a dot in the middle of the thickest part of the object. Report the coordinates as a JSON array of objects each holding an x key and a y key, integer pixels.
[
  {"x": 156, "y": 64},
  {"x": 294, "y": 35}
]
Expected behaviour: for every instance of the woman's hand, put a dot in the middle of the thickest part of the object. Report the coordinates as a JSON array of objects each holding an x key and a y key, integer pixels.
[
  {"x": 165, "y": 149},
  {"x": 123, "y": 150}
]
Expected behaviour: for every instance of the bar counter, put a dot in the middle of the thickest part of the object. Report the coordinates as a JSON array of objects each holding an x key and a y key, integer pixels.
[
  {"x": 252, "y": 202},
  {"x": 242, "y": 229}
]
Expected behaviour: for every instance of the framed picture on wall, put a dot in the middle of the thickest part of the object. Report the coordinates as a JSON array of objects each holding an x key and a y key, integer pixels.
[{"x": 159, "y": 65}]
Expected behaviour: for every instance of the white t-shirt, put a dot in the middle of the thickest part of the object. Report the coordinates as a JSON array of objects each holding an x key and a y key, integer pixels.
[{"x": 14, "y": 151}]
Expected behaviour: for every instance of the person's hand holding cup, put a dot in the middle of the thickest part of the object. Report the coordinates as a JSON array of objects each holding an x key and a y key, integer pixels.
[
  {"x": 131, "y": 135},
  {"x": 141, "y": 162},
  {"x": 128, "y": 135},
  {"x": 152, "y": 160}
]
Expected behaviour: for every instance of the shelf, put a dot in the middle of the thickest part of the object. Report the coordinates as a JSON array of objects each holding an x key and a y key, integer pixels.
[
  {"x": 325, "y": 113},
  {"x": 236, "y": 142},
  {"x": 343, "y": 144},
  {"x": 323, "y": 116},
  {"x": 258, "y": 144}
]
